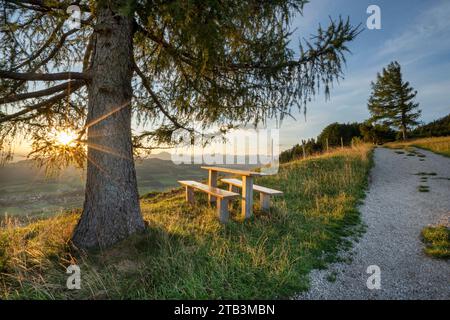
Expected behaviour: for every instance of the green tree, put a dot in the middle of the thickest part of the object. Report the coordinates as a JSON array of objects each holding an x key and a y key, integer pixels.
[
  {"x": 391, "y": 101},
  {"x": 336, "y": 131},
  {"x": 436, "y": 128},
  {"x": 296, "y": 152},
  {"x": 181, "y": 65},
  {"x": 376, "y": 133}
]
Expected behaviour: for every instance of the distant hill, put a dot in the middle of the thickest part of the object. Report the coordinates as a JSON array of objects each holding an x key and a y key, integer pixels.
[
  {"x": 161, "y": 155},
  {"x": 25, "y": 189},
  {"x": 437, "y": 128}
]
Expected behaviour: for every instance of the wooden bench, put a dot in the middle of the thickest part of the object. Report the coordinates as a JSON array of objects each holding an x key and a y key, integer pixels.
[
  {"x": 222, "y": 195},
  {"x": 264, "y": 193}
]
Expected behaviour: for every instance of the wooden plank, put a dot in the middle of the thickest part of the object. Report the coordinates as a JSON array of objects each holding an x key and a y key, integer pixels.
[
  {"x": 238, "y": 183},
  {"x": 207, "y": 189},
  {"x": 234, "y": 171},
  {"x": 247, "y": 196}
]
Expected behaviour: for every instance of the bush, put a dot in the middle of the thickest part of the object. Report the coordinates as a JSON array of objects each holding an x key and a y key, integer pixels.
[{"x": 357, "y": 141}]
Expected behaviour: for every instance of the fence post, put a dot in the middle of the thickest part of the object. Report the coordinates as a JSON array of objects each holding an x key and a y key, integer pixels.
[
  {"x": 304, "y": 151},
  {"x": 342, "y": 143},
  {"x": 327, "y": 144}
]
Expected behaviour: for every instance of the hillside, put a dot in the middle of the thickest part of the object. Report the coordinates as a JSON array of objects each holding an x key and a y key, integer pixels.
[
  {"x": 25, "y": 189},
  {"x": 437, "y": 128},
  {"x": 187, "y": 253}
]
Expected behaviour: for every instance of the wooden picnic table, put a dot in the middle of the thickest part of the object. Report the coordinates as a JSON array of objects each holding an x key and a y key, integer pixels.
[{"x": 247, "y": 185}]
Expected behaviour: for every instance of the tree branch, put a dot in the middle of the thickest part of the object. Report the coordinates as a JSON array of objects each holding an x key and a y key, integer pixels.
[
  {"x": 40, "y": 105},
  {"x": 156, "y": 100},
  {"x": 54, "y": 51},
  {"x": 311, "y": 55},
  {"x": 185, "y": 57},
  {"x": 30, "y": 76},
  {"x": 74, "y": 85},
  {"x": 41, "y": 49},
  {"x": 45, "y": 6}
]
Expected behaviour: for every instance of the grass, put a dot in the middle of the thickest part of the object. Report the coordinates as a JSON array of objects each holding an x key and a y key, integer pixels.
[
  {"x": 440, "y": 145},
  {"x": 424, "y": 174},
  {"x": 423, "y": 188},
  {"x": 437, "y": 241},
  {"x": 332, "y": 276},
  {"x": 187, "y": 253}
]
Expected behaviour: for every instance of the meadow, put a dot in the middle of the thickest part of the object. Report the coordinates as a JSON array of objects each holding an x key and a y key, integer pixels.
[
  {"x": 187, "y": 253},
  {"x": 440, "y": 145}
]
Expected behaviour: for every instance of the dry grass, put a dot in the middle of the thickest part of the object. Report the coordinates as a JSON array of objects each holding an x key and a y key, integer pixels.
[
  {"x": 439, "y": 145},
  {"x": 187, "y": 253}
]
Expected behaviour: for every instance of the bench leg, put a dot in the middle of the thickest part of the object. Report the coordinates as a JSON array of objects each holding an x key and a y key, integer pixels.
[
  {"x": 247, "y": 196},
  {"x": 190, "y": 195},
  {"x": 232, "y": 188},
  {"x": 264, "y": 201},
  {"x": 222, "y": 210},
  {"x": 212, "y": 180}
]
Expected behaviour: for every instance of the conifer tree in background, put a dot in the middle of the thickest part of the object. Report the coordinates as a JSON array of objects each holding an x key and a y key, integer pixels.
[
  {"x": 179, "y": 65},
  {"x": 391, "y": 101}
]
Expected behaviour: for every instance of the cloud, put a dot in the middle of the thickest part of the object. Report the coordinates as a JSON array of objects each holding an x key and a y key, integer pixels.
[{"x": 425, "y": 36}]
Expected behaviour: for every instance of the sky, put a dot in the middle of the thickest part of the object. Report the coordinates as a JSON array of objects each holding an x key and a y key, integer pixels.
[{"x": 414, "y": 33}]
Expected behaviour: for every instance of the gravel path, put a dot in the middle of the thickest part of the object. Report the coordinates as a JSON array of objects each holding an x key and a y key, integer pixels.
[{"x": 394, "y": 212}]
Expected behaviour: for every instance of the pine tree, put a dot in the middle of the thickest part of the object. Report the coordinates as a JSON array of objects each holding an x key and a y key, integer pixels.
[
  {"x": 177, "y": 65},
  {"x": 391, "y": 101}
]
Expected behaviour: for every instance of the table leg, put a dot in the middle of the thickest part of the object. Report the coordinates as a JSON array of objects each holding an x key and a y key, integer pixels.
[
  {"x": 247, "y": 196},
  {"x": 212, "y": 181}
]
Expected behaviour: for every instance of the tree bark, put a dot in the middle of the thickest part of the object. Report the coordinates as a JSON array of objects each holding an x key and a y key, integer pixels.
[
  {"x": 403, "y": 127},
  {"x": 111, "y": 209}
]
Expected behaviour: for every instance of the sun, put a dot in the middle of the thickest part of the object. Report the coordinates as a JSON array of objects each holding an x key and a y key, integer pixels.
[{"x": 65, "y": 138}]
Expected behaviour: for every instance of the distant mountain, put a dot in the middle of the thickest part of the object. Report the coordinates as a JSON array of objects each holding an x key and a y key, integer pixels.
[{"x": 161, "y": 155}]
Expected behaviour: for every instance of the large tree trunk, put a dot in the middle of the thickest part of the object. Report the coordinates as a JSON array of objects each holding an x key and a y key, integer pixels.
[
  {"x": 111, "y": 208},
  {"x": 403, "y": 126}
]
